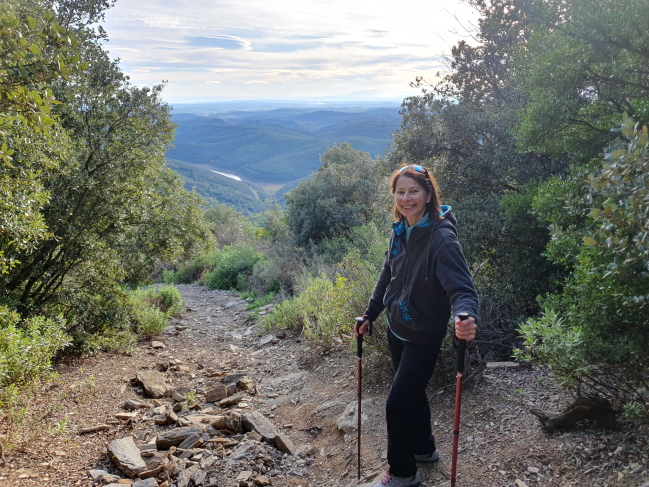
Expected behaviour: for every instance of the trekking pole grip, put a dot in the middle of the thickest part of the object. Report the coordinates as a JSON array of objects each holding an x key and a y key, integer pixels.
[
  {"x": 359, "y": 342},
  {"x": 461, "y": 346}
]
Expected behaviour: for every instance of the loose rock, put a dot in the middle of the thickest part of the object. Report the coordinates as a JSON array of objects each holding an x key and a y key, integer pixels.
[
  {"x": 152, "y": 382},
  {"x": 216, "y": 392},
  {"x": 126, "y": 456},
  {"x": 176, "y": 436},
  {"x": 255, "y": 421},
  {"x": 285, "y": 444}
]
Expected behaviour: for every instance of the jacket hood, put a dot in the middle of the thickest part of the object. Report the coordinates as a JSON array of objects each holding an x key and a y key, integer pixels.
[{"x": 445, "y": 213}]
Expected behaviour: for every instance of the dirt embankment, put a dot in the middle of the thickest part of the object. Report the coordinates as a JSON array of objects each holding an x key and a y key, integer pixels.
[{"x": 282, "y": 427}]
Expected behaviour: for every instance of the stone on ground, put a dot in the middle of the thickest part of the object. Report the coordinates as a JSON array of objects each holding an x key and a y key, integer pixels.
[
  {"x": 126, "y": 456},
  {"x": 216, "y": 392},
  {"x": 348, "y": 420},
  {"x": 152, "y": 382},
  {"x": 252, "y": 420},
  {"x": 176, "y": 436},
  {"x": 501, "y": 365},
  {"x": 150, "y": 482},
  {"x": 285, "y": 444}
]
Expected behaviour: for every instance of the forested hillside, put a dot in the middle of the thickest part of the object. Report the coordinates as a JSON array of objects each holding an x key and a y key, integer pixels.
[
  {"x": 225, "y": 190},
  {"x": 276, "y": 147}
]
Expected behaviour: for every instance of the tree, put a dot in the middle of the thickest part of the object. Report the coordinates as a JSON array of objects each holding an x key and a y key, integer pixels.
[
  {"x": 583, "y": 64},
  {"x": 35, "y": 51},
  {"x": 343, "y": 194},
  {"x": 111, "y": 206}
]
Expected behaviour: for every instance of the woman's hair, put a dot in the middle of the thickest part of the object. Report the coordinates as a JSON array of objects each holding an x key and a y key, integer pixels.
[{"x": 425, "y": 180}]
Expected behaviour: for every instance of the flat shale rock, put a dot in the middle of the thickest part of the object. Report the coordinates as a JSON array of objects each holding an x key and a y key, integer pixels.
[
  {"x": 126, "y": 456},
  {"x": 502, "y": 365},
  {"x": 150, "y": 482},
  {"x": 176, "y": 436},
  {"x": 285, "y": 444},
  {"x": 216, "y": 392},
  {"x": 152, "y": 382},
  {"x": 228, "y": 401},
  {"x": 255, "y": 421}
]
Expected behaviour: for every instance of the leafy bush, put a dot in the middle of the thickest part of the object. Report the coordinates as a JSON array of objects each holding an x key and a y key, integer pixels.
[
  {"x": 150, "y": 309},
  {"x": 235, "y": 264},
  {"x": 326, "y": 309},
  {"x": 149, "y": 320},
  {"x": 28, "y": 346},
  {"x": 594, "y": 331}
]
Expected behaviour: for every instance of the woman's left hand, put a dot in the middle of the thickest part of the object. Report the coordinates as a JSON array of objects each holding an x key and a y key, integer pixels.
[{"x": 465, "y": 330}]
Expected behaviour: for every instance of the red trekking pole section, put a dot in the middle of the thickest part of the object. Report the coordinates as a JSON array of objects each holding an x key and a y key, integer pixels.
[
  {"x": 359, "y": 356},
  {"x": 461, "y": 351}
]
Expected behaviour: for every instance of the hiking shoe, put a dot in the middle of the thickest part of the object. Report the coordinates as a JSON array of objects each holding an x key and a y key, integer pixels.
[
  {"x": 431, "y": 457},
  {"x": 391, "y": 481}
]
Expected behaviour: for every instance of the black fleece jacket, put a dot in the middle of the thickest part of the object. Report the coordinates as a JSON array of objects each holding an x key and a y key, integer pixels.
[{"x": 421, "y": 281}]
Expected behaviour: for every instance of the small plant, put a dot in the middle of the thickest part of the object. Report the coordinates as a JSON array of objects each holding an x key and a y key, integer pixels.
[
  {"x": 259, "y": 302},
  {"x": 632, "y": 411},
  {"x": 59, "y": 428},
  {"x": 191, "y": 397}
]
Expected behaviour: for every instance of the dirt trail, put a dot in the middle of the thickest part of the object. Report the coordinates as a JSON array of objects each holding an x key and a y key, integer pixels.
[{"x": 303, "y": 391}]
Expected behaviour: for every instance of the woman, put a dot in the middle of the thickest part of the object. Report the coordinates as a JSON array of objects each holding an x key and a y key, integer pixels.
[{"x": 424, "y": 276}]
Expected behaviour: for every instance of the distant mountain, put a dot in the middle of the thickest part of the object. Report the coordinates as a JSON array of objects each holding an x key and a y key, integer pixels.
[
  {"x": 238, "y": 194},
  {"x": 279, "y": 146}
]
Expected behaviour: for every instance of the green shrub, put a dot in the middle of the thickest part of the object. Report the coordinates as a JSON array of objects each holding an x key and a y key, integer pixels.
[
  {"x": 235, "y": 264},
  {"x": 150, "y": 309},
  {"x": 149, "y": 320},
  {"x": 28, "y": 346},
  {"x": 593, "y": 333},
  {"x": 172, "y": 300},
  {"x": 326, "y": 309}
]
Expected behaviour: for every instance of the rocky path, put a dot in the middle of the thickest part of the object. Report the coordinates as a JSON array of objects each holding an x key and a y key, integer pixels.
[{"x": 215, "y": 403}]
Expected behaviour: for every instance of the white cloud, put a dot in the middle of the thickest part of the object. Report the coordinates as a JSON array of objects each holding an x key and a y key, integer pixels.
[{"x": 289, "y": 49}]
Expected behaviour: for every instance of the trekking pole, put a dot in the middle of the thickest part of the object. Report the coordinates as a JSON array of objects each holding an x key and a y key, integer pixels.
[
  {"x": 359, "y": 356},
  {"x": 461, "y": 349}
]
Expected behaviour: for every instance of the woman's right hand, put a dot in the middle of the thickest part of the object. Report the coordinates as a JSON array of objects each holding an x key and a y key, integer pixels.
[{"x": 363, "y": 330}]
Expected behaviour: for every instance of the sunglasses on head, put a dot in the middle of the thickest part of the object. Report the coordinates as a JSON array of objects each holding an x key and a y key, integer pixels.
[{"x": 417, "y": 168}]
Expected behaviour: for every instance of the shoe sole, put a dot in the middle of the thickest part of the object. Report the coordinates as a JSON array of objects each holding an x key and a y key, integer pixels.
[{"x": 421, "y": 460}]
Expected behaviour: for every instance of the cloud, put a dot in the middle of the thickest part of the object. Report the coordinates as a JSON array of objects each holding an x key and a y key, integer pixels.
[
  {"x": 288, "y": 49},
  {"x": 219, "y": 42}
]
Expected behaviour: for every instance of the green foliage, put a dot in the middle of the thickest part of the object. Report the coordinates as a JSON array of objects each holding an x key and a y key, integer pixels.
[
  {"x": 235, "y": 264},
  {"x": 151, "y": 308},
  {"x": 326, "y": 309},
  {"x": 583, "y": 64},
  {"x": 342, "y": 195},
  {"x": 229, "y": 226},
  {"x": 593, "y": 333},
  {"x": 28, "y": 346}
]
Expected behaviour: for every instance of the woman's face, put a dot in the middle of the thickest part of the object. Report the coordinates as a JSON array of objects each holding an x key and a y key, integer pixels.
[{"x": 411, "y": 198}]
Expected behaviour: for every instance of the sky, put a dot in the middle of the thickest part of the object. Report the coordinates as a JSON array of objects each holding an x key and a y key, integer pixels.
[{"x": 284, "y": 49}]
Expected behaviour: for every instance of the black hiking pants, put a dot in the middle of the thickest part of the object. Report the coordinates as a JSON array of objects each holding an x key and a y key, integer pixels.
[{"x": 407, "y": 410}]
